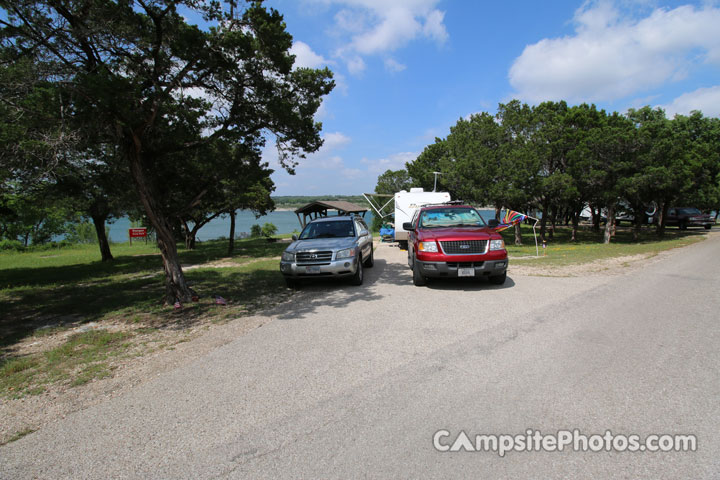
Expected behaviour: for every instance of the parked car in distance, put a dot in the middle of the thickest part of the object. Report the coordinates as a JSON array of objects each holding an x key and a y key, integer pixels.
[
  {"x": 453, "y": 240},
  {"x": 329, "y": 247},
  {"x": 685, "y": 217}
]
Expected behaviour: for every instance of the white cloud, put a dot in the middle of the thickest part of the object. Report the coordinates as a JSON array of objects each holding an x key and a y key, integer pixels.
[
  {"x": 305, "y": 57},
  {"x": 374, "y": 27},
  {"x": 396, "y": 161},
  {"x": 609, "y": 57},
  {"x": 355, "y": 64},
  {"x": 397, "y": 27},
  {"x": 352, "y": 173},
  {"x": 434, "y": 26},
  {"x": 333, "y": 141},
  {"x": 706, "y": 100},
  {"x": 324, "y": 158},
  {"x": 393, "y": 65}
]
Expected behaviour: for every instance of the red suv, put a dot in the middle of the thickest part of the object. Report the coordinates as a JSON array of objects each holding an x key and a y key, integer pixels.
[{"x": 454, "y": 241}]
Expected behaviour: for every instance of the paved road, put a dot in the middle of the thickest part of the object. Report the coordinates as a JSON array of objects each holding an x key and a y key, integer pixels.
[{"x": 355, "y": 385}]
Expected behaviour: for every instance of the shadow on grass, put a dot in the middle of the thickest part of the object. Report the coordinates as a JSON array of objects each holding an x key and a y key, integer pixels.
[{"x": 65, "y": 296}]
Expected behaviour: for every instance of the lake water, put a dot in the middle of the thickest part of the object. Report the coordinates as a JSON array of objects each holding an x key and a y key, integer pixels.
[{"x": 285, "y": 221}]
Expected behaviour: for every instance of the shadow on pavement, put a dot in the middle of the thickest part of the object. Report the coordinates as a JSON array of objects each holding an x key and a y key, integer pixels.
[
  {"x": 467, "y": 284},
  {"x": 339, "y": 293},
  {"x": 333, "y": 292}
]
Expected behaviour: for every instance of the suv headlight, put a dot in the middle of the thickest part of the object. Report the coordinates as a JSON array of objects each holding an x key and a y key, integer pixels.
[
  {"x": 497, "y": 245},
  {"x": 347, "y": 253},
  {"x": 430, "y": 247},
  {"x": 288, "y": 257}
]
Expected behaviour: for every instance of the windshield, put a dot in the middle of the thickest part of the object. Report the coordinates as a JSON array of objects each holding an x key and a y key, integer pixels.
[
  {"x": 451, "y": 217},
  {"x": 689, "y": 211},
  {"x": 338, "y": 229}
]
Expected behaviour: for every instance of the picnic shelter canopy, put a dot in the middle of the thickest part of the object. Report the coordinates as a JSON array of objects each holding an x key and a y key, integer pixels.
[{"x": 320, "y": 208}]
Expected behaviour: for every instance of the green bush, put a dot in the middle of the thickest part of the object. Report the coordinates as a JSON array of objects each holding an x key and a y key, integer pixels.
[
  {"x": 256, "y": 231},
  {"x": 268, "y": 230},
  {"x": 82, "y": 232},
  {"x": 7, "y": 244}
]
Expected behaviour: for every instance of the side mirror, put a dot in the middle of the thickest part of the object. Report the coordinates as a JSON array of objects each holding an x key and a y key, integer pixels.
[
  {"x": 492, "y": 223},
  {"x": 364, "y": 233},
  {"x": 408, "y": 226},
  {"x": 294, "y": 237}
]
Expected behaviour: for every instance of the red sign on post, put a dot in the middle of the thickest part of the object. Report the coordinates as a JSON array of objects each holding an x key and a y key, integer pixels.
[{"x": 137, "y": 233}]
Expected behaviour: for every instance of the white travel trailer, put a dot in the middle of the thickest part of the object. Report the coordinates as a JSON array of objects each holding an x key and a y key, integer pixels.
[{"x": 406, "y": 204}]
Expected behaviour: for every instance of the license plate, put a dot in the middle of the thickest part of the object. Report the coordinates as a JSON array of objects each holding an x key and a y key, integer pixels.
[
  {"x": 312, "y": 269},
  {"x": 466, "y": 272}
]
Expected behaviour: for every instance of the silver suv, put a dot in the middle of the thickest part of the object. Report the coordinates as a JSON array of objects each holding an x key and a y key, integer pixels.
[{"x": 329, "y": 247}]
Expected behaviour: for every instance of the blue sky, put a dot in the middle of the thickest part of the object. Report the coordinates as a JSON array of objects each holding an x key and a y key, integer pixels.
[{"x": 406, "y": 70}]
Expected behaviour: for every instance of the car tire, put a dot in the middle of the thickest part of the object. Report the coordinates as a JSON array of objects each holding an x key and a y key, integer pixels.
[
  {"x": 683, "y": 225},
  {"x": 359, "y": 276},
  {"x": 419, "y": 279},
  {"x": 498, "y": 279},
  {"x": 371, "y": 260},
  {"x": 708, "y": 227}
]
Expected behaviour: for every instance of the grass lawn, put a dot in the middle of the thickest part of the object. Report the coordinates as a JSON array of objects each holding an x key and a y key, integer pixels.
[
  {"x": 45, "y": 293},
  {"x": 561, "y": 251}
]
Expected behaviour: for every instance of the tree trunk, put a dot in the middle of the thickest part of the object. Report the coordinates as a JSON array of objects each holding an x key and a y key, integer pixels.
[
  {"x": 595, "y": 218},
  {"x": 231, "y": 241},
  {"x": 99, "y": 222},
  {"x": 518, "y": 234},
  {"x": 609, "y": 224},
  {"x": 497, "y": 213},
  {"x": 638, "y": 222},
  {"x": 176, "y": 287},
  {"x": 660, "y": 228},
  {"x": 575, "y": 223},
  {"x": 553, "y": 220},
  {"x": 190, "y": 240},
  {"x": 190, "y": 234}
]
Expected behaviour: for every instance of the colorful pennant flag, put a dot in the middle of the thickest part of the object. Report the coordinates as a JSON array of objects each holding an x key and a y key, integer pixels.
[{"x": 510, "y": 218}]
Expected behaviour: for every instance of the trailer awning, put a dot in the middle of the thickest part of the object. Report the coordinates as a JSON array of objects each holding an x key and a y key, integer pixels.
[{"x": 320, "y": 208}]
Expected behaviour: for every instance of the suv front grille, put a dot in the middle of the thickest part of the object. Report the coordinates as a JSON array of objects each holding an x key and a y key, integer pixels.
[
  {"x": 465, "y": 264},
  {"x": 464, "y": 247},
  {"x": 313, "y": 258}
]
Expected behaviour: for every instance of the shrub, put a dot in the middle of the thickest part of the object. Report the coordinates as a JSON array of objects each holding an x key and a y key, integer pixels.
[
  {"x": 82, "y": 232},
  {"x": 268, "y": 230},
  {"x": 256, "y": 231},
  {"x": 7, "y": 244}
]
